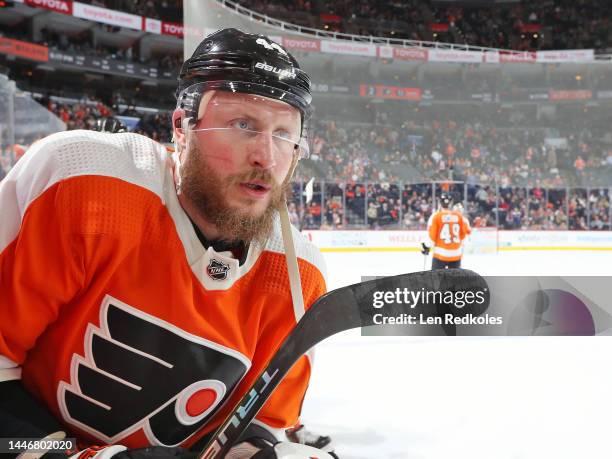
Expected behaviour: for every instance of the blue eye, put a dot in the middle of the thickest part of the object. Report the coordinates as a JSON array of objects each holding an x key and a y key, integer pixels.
[{"x": 240, "y": 124}]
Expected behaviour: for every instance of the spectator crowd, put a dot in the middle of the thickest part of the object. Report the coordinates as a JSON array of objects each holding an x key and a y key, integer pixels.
[
  {"x": 470, "y": 150},
  {"x": 167, "y": 10},
  {"x": 522, "y": 26},
  {"x": 549, "y": 24},
  {"x": 373, "y": 176}
]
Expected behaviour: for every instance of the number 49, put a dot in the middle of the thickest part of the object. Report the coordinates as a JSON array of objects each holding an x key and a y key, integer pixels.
[{"x": 445, "y": 233}]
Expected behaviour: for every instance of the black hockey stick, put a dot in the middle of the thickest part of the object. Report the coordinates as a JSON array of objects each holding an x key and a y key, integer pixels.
[{"x": 340, "y": 310}]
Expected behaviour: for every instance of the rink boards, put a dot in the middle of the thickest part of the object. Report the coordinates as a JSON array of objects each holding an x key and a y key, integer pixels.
[{"x": 482, "y": 240}]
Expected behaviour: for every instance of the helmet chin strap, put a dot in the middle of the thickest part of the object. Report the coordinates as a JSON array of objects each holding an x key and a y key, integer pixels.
[{"x": 293, "y": 270}]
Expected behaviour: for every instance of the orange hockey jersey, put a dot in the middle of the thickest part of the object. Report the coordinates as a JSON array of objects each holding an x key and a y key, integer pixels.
[
  {"x": 114, "y": 314},
  {"x": 447, "y": 229}
]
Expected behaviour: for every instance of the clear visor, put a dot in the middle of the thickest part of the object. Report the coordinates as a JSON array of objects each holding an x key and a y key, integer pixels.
[
  {"x": 242, "y": 120},
  {"x": 281, "y": 145}
]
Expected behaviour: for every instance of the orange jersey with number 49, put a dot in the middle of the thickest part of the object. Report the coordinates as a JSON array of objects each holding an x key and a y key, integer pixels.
[{"x": 447, "y": 229}]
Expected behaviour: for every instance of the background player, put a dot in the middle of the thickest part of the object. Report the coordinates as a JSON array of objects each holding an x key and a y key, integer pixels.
[
  {"x": 110, "y": 124},
  {"x": 446, "y": 229}
]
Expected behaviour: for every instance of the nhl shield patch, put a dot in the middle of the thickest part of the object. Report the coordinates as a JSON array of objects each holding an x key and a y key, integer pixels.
[{"x": 217, "y": 270}]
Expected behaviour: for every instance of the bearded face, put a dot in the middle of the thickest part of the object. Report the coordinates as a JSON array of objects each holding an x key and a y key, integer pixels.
[
  {"x": 209, "y": 194},
  {"x": 237, "y": 161}
]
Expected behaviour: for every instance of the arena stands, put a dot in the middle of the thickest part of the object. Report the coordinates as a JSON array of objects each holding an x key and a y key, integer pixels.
[
  {"x": 568, "y": 24},
  {"x": 169, "y": 10},
  {"x": 559, "y": 24},
  {"x": 83, "y": 42},
  {"x": 369, "y": 160}
]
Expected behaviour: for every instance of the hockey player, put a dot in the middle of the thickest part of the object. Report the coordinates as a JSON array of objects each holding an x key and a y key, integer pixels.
[
  {"x": 446, "y": 230},
  {"x": 142, "y": 294},
  {"x": 110, "y": 124}
]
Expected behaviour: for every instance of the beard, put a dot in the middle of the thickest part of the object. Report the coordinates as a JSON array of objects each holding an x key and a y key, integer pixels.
[{"x": 207, "y": 192}]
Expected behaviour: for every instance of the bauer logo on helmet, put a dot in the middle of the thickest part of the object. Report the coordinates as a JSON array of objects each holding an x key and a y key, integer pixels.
[{"x": 283, "y": 73}]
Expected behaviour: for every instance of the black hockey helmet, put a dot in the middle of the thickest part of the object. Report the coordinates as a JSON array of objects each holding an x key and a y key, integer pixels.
[
  {"x": 235, "y": 61},
  {"x": 110, "y": 124},
  {"x": 445, "y": 200}
]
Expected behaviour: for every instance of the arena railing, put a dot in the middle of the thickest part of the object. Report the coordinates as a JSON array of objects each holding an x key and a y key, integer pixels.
[{"x": 309, "y": 31}]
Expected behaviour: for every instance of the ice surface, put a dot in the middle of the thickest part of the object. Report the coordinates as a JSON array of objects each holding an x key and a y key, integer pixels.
[{"x": 464, "y": 398}]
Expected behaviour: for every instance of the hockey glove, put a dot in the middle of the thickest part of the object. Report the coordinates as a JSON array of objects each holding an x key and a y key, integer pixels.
[
  {"x": 257, "y": 448},
  {"x": 424, "y": 249}
]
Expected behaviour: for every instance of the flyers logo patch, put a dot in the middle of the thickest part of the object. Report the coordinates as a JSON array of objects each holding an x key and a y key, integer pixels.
[{"x": 139, "y": 372}]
